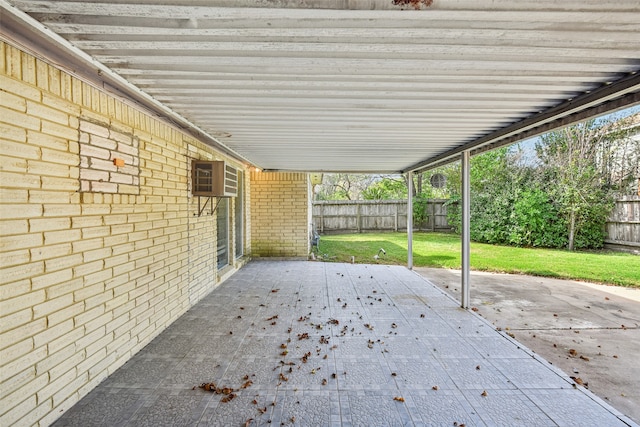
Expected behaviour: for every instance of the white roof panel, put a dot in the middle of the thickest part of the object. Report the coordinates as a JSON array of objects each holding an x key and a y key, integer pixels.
[{"x": 357, "y": 85}]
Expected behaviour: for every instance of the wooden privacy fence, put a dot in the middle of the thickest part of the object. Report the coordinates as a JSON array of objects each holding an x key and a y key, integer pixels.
[
  {"x": 375, "y": 215},
  {"x": 623, "y": 226}
]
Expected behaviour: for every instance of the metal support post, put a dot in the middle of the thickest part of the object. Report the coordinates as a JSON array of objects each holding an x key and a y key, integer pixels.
[
  {"x": 410, "y": 221},
  {"x": 466, "y": 230}
]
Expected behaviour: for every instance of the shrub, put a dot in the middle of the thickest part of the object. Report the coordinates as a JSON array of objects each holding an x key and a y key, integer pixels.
[{"x": 536, "y": 221}]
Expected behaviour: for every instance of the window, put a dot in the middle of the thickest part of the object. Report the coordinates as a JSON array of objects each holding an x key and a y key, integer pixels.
[{"x": 223, "y": 233}]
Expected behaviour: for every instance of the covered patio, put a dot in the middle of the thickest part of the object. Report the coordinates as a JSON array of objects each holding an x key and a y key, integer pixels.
[
  {"x": 309, "y": 343},
  {"x": 122, "y": 294}
]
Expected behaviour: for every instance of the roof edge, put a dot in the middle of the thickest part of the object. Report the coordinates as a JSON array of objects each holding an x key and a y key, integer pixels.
[{"x": 608, "y": 98}]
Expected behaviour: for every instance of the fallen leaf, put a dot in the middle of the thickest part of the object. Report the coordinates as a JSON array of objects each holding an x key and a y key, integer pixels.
[
  {"x": 573, "y": 352},
  {"x": 474, "y": 308},
  {"x": 435, "y": 387},
  {"x": 399, "y": 399},
  {"x": 274, "y": 290},
  {"x": 248, "y": 422},
  {"x": 478, "y": 368},
  {"x": 208, "y": 386},
  {"x": 324, "y": 381},
  {"x": 585, "y": 358},
  {"x": 228, "y": 398}
]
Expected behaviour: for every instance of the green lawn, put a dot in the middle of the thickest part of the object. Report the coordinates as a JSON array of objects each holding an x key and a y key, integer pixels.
[{"x": 443, "y": 250}]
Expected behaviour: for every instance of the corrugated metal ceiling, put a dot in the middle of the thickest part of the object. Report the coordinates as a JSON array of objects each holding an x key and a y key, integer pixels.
[{"x": 359, "y": 85}]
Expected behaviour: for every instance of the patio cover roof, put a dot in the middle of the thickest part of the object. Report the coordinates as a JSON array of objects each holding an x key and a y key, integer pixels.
[{"x": 347, "y": 85}]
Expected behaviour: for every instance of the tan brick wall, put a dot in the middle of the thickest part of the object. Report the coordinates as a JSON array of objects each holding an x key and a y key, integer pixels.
[
  {"x": 88, "y": 278},
  {"x": 279, "y": 214}
]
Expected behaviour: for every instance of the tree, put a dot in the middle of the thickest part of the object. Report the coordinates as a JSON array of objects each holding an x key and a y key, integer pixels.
[
  {"x": 571, "y": 176},
  {"x": 386, "y": 188},
  {"x": 344, "y": 186}
]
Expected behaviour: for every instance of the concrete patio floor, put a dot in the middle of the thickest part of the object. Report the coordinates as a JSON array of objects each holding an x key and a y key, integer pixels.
[
  {"x": 323, "y": 344},
  {"x": 589, "y": 331}
]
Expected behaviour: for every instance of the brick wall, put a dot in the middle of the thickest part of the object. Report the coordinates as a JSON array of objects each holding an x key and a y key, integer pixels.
[
  {"x": 90, "y": 271},
  {"x": 280, "y": 214}
]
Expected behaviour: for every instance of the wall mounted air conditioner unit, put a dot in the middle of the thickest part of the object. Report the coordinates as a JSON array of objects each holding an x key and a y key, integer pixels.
[{"x": 213, "y": 179}]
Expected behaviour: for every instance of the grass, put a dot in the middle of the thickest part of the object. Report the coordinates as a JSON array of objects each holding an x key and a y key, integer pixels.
[{"x": 443, "y": 250}]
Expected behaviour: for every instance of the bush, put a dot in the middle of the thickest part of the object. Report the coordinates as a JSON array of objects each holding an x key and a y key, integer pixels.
[
  {"x": 536, "y": 221},
  {"x": 591, "y": 222}
]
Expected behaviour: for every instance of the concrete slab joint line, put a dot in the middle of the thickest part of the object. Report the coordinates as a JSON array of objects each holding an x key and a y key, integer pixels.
[{"x": 324, "y": 344}]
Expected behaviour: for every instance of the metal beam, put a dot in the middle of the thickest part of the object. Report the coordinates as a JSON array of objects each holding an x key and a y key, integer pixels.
[
  {"x": 466, "y": 229},
  {"x": 623, "y": 93}
]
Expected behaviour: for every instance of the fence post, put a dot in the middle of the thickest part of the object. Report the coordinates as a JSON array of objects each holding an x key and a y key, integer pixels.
[
  {"x": 358, "y": 225},
  {"x": 433, "y": 215},
  {"x": 396, "y": 218}
]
